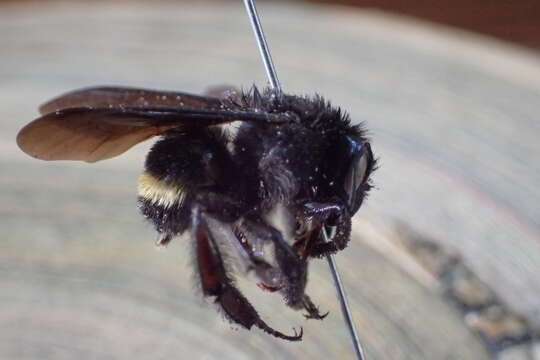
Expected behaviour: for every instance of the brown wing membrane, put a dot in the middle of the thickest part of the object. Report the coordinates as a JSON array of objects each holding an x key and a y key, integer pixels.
[
  {"x": 122, "y": 96},
  {"x": 224, "y": 92},
  {"x": 80, "y": 134},
  {"x": 101, "y": 133}
]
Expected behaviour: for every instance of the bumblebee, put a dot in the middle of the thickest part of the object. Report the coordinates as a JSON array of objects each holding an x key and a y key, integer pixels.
[{"x": 298, "y": 154}]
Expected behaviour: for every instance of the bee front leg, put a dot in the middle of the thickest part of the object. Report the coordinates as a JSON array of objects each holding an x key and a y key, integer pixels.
[
  {"x": 216, "y": 282},
  {"x": 292, "y": 268},
  {"x": 270, "y": 278},
  {"x": 273, "y": 279}
]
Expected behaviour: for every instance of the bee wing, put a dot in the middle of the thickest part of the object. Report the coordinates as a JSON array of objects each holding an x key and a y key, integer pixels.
[
  {"x": 125, "y": 96},
  {"x": 223, "y": 92},
  {"x": 93, "y": 134}
]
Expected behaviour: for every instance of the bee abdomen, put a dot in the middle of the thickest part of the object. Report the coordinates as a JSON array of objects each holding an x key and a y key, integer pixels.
[
  {"x": 159, "y": 192},
  {"x": 167, "y": 206}
]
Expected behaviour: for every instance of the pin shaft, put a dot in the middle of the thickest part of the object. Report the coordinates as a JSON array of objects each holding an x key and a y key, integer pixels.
[
  {"x": 274, "y": 83},
  {"x": 345, "y": 309},
  {"x": 263, "y": 46}
]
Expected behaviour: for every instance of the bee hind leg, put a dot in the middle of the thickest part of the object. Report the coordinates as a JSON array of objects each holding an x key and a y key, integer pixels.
[{"x": 216, "y": 282}]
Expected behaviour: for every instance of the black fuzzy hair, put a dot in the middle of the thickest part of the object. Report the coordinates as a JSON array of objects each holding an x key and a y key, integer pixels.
[{"x": 314, "y": 112}]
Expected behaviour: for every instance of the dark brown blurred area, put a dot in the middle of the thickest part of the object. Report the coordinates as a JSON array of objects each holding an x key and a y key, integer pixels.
[
  {"x": 444, "y": 257},
  {"x": 515, "y": 21}
]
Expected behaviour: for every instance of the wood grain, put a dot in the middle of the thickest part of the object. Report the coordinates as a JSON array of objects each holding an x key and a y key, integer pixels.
[{"x": 453, "y": 120}]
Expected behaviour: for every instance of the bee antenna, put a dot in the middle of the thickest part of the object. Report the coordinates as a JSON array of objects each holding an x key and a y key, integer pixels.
[{"x": 276, "y": 87}]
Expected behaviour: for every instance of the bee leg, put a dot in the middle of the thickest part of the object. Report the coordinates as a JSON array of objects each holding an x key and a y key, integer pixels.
[
  {"x": 292, "y": 268},
  {"x": 304, "y": 244},
  {"x": 215, "y": 282},
  {"x": 312, "y": 309},
  {"x": 270, "y": 277}
]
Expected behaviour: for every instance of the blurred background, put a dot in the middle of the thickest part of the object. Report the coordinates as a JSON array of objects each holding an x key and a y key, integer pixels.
[
  {"x": 445, "y": 253},
  {"x": 515, "y": 21}
]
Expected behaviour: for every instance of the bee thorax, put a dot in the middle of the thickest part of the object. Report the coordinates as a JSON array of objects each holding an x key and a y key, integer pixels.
[{"x": 279, "y": 183}]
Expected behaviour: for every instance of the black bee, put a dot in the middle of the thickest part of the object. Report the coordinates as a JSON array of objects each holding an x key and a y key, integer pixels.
[{"x": 293, "y": 153}]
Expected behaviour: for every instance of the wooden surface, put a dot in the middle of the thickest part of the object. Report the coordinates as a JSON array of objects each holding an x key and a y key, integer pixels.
[{"x": 454, "y": 120}]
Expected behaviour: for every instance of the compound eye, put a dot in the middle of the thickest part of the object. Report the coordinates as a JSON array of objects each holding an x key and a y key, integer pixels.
[{"x": 358, "y": 173}]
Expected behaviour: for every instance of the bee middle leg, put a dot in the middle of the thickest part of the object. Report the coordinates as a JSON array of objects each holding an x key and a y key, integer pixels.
[{"x": 216, "y": 282}]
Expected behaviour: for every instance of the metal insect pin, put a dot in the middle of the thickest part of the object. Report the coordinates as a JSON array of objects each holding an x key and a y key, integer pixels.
[{"x": 274, "y": 83}]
